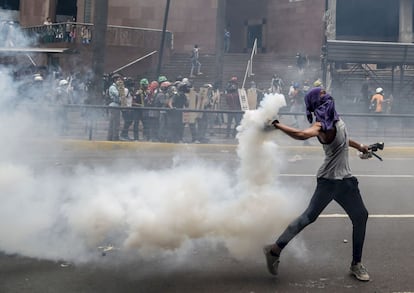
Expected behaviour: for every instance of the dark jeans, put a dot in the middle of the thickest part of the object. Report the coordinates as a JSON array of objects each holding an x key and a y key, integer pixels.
[
  {"x": 230, "y": 117},
  {"x": 346, "y": 193},
  {"x": 151, "y": 127},
  {"x": 128, "y": 117},
  {"x": 176, "y": 124}
]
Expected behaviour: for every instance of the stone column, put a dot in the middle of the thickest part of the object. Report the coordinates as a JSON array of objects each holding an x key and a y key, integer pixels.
[
  {"x": 220, "y": 25},
  {"x": 34, "y": 12},
  {"x": 330, "y": 18},
  {"x": 406, "y": 21}
]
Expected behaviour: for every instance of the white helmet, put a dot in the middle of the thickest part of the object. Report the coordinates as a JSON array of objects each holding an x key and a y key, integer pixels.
[
  {"x": 37, "y": 77},
  {"x": 379, "y": 90},
  {"x": 63, "y": 82}
]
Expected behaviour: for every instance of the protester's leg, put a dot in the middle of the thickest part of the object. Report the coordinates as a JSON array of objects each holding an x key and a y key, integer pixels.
[
  {"x": 110, "y": 126},
  {"x": 145, "y": 126},
  {"x": 180, "y": 126},
  {"x": 174, "y": 130},
  {"x": 117, "y": 123},
  {"x": 198, "y": 67},
  {"x": 126, "y": 115},
  {"x": 137, "y": 116},
  {"x": 162, "y": 124},
  {"x": 202, "y": 128},
  {"x": 155, "y": 129},
  {"x": 237, "y": 120},
  {"x": 320, "y": 199},
  {"x": 169, "y": 126},
  {"x": 193, "y": 131},
  {"x": 348, "y": 196},
  {"x": 229, "y": 122},
  {"x": 192, "y": 69}
]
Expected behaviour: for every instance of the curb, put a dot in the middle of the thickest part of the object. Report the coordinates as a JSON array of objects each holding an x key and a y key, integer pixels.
[{"x": 121, "y": 145}]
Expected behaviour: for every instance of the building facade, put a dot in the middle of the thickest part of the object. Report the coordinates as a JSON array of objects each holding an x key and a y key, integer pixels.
[{"x": 281, "y": 26}]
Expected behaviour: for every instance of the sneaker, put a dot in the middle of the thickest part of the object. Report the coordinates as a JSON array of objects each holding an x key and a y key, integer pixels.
[
  {"x": 271, "y": 260},
  {"x": 360, "y": 272}
]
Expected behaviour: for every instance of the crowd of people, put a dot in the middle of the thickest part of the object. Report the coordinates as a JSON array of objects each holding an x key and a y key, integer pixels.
[
  {"x": 166, "y": 107},
  {"x": 171, "y": 102},
  {"x": 67, "y": 31},
  {"x": 163, "y": 117}
]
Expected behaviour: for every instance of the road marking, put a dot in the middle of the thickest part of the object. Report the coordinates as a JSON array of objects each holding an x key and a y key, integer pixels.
[
  {"x": 357, "y": 175},
  {"x": 402, "y": 216}
]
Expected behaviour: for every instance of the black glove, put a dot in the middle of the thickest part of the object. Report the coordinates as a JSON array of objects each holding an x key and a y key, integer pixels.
[{"x": 271, "y": 126}]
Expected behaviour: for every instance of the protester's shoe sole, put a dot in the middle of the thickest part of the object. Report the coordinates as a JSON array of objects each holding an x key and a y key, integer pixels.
[{"x": 271, "y": 260}]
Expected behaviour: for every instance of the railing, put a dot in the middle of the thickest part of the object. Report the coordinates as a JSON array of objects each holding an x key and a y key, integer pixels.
[
  {"x": 249, "y": 69},
  {"x": 71, "y": 32},
  {"x": 133, "y": 62},
  {"x": 91, "y": 122}
]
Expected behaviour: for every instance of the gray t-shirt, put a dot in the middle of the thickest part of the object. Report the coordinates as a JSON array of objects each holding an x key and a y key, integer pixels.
[{"x": 336, "y": 164}]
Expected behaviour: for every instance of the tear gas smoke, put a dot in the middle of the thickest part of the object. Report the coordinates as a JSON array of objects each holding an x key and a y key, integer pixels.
[{"x": 53, "y": 215}]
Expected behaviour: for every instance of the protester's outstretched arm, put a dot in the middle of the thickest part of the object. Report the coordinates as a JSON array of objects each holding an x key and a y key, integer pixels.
[
  {"x": 297, "y": 133},
  {"x": 359, "y": 146}
]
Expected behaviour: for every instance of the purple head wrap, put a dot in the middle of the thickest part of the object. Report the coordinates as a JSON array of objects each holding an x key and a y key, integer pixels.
[{"x": 323, "y": 107}]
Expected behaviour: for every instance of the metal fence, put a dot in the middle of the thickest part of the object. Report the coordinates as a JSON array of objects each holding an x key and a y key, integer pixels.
[
  {"x": 91, "y": 122},
  {"x": 76, "y": 32}
]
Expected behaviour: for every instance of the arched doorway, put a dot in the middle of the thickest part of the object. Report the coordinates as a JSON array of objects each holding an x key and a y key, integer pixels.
[{"x": 246, "y": 21}]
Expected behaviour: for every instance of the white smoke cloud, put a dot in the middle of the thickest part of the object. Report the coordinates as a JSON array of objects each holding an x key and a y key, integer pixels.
[
  {"x": 55, "y": 215},
  {"x": 67, "y": 213}
]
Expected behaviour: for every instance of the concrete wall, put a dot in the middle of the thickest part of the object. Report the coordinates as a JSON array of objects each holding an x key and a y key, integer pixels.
[
  {"x": 289, "y": 26},
  {"x": 296, "y": 27},
  {"x": 191, "y": 21},
  {"x": 35, "y": 12}
]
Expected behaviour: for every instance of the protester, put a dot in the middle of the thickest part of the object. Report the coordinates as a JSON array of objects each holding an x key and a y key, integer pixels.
[
  {"x": 139, "y": 101},
  {"x": 296, "y": 104},
  {"x": 377, "y": 100},
  {"x": 178, "y": 101},
  {"x": 334, "y": 179},
  {"x": 301, "y": 62},
  {"x": 151, "y": 117},
  {"x": 365, "y": 96},
  {"x": 233, "y": 103},
  {"x": 376, "y": 106},
  {"x": 114, "y": 114},
  {"x": 195, "y": 63},
  {"x": 162, "y": 100},
  {"x": 127, "y": 115},
  {"x": 276, "y": 84},
  {"x": 227, "y": 39}
]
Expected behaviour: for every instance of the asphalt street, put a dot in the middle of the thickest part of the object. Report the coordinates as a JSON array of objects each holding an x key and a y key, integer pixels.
[{"x": 321, "y": 265}]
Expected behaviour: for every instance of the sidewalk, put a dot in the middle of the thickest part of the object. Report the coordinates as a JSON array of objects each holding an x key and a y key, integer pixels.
[{"x": 294, "y": 146}]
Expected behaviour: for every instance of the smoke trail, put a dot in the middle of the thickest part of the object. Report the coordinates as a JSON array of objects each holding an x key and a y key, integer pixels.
[
  {"x": 53, "y": 214},
  {"x": 57, "y": 215}
]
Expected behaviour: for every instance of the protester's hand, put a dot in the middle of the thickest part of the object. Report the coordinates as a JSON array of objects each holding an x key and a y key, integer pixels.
[
  {"x": 363, "y": 148},
  {"x": 271, "y": 125},
  {"x": 268, "y": 127},
  {"x": 364, "y": 152}
]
